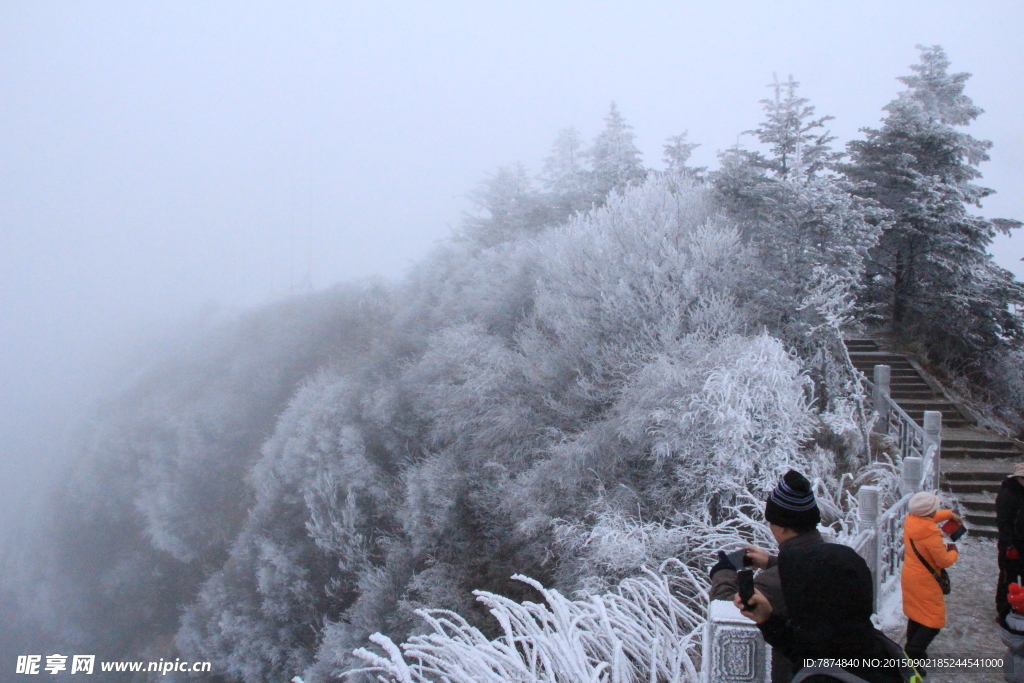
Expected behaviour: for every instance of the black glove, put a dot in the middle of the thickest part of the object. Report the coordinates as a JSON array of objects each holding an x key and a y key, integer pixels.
[{"x": 723, "y": 563}]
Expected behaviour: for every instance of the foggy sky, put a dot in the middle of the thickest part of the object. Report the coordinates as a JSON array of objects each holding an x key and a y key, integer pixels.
[{"x": 160, "y": 159}]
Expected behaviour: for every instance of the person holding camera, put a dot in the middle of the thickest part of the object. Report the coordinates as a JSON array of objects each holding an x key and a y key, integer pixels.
[
  {"x": 793, "y": 516},
  {"x": 820, "y": 596},
  {"x": 924, "y": 577}
]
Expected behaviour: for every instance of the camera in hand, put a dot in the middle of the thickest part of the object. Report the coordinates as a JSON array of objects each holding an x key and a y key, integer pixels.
[
  {"x": 745, "y": 579},
  {"x": 739, "y": 559}
]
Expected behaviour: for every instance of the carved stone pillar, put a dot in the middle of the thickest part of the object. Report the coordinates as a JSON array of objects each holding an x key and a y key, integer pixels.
[
  {"x": 913, "y": 468},
  {"x": 867, "y": 520},
  {"x": 734, "y": 651},
  {"x": 880, "y": 397},
  {"x": 933, "y": 435}
]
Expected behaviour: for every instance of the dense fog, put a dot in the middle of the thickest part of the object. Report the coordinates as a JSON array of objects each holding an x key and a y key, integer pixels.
[{"x": 311, "y": 317}]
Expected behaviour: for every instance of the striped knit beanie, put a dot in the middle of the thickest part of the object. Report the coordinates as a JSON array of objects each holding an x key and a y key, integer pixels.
[{"x": 791, "y": 504}]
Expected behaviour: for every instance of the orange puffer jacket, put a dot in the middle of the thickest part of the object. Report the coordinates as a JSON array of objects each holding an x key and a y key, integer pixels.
[{"x": 922, "y": 597}]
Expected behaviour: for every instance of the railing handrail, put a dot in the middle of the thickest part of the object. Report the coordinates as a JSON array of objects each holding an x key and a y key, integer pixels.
[
  {"x": 893, "y": 405},
  {"x": 913, "y": 424},
  {"x": 893, "y": 509}
]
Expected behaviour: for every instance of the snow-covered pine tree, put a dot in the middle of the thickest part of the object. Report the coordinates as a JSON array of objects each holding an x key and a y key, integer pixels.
[
  {"x": 614, "y": 157},
  {"x": 799, "y": 145},
  {"x": 565, "y": 175},
  {"x": 678, "y": 149},
  {"x": 930, "y": 275},
  {"x": 507, "y": 206},
  {"x": 813, "y": 234},
  {"x": 801, "y": 219}
]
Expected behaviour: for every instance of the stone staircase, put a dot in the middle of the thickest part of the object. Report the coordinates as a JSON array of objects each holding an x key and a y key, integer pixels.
[{"x": 974, "y": 460}]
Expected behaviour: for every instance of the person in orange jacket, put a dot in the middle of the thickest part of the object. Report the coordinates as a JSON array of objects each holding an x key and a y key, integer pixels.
[{"x": 923, "y": 602}]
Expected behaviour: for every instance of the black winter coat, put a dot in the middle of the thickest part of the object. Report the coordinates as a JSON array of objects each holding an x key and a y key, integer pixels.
[
  {"x": 830, "y": 597},
  {"x": 1010, "y": 514}
]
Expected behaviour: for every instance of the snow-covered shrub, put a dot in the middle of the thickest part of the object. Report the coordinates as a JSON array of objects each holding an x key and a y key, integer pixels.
[
  {"x": 309, "y": 537},
  {"x": 648, "y": 628}
]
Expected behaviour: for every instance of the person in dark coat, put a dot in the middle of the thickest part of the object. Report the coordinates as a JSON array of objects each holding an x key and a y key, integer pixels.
[
  {"x": 1010, "y": 546},
  {"x": 793, "y": 516},
  {"x": 829, "y": 597}
]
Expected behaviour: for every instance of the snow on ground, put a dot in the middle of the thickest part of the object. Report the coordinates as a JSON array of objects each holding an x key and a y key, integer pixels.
[{"x": 971, "y": 629}]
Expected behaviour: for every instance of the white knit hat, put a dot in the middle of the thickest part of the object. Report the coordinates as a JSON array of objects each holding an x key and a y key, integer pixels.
[
  {"x": 1018, "y": 469},
  {"x": 923, "y": 504}
]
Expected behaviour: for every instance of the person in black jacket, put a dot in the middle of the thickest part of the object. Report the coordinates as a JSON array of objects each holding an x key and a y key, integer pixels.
[
  {"x": 829, "y": 596},
  {"x": 1010, "y": 520},
  {"x": 792, "y": 514}
]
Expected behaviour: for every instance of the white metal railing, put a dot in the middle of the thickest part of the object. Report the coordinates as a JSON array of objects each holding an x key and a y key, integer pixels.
[
  {"x": 911, "y": 439},
  {"x": 880, "y": 540}
]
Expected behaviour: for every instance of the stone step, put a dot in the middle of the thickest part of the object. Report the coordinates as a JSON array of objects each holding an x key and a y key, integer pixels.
[
  {"x": 979, "y": 453},
  {"x": 899, "y": 371},
  {"x": 918, "y": 386},
  {"x": 910, "y": 384},
  {"x": 991, "y": 469},
  {"x": 975, "y": 486},
  {"x": 947, "y": 422},
  {"x": 949, "y": 419},
  {"x": 981, "y": 502},
  {"x": 982, "y": 531},
  {"x": 954, "y": 421},
  {"x": 898, "y": 395},
  {"x": 880, "y": 356},
  {"x": 907, "y": 381},
  {"x": 966, "y": 473},
  {"x": 866, "y": 364},
  {"x": 911, "y": 407},
  {"x": 981, "y": 518},
  {"x": 987, "y": 444}
]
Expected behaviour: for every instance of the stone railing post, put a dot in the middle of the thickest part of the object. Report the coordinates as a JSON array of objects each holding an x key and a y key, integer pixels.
[
  {"x": 933, "y": 435},
  {"x": 734, "y": 650},
  {"x": 879, "y": 396},
  {"x": 913, "y": 468},
  {"x": 867, "y": 499}
]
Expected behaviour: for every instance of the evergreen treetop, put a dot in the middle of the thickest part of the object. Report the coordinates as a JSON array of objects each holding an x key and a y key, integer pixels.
[
  {"x": 930, "y": 275},
  {"x": 798, "y": 143}
]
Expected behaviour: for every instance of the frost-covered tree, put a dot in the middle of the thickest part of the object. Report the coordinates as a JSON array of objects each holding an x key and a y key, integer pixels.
[
  {"x": 158, "y": 496},
  {"x": 799, "y": 145},
  {"x": 320, "y": 507},
  {"x": 812, "y": 233},
  {"x": 565, "y": 175},
  {"x": 678, "y": 150},
  {"x": 800, "y": 220},
  {"x": 506, "y": 206},
  {"x": 930, "y": 274},
  {"x": 614, "y": 157}
]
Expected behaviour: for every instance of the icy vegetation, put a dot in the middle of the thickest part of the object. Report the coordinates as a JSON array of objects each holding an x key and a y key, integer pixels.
[
  {"x": 594, "y": 385},
  {"x": 646, "y": 629}
]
